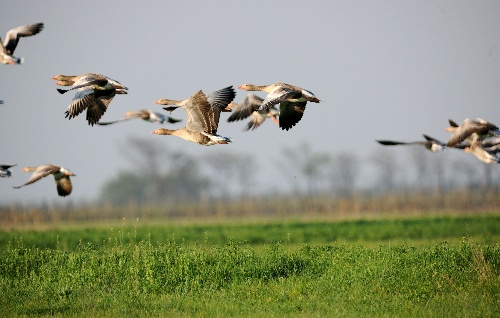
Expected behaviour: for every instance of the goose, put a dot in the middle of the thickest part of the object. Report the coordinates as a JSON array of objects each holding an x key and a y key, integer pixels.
[
  {"x": 94, "y": 92},
  {"x": 429, "y": 143},
  {"x": 249, "y": 107},
  {"x": 12, "y": 38},
  {"x": 292, "y": 100},
  {"x": 4, "y": 170},
  {"x": 61, "y": 176},
  {"x": 482, "y": 154},
  {"x": 219, "y": 99},
  {"x": 471, "y": 130},
  {"x": 144, "y": 114},
  {"x": 202, "y": 120}
]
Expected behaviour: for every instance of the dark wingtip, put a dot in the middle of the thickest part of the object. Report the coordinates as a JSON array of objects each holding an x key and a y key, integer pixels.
[{"x": 61, "y": 91}]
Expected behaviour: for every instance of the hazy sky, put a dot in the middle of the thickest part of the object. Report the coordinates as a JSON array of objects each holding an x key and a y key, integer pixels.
[{"x": 383, "y": 70}]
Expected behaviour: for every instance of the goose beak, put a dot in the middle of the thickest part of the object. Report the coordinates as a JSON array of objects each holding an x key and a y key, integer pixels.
[{"x": 119, "y": 86}]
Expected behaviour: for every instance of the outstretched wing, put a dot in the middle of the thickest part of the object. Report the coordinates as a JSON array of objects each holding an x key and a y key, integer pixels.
[
  {"x": 248, "y": 105},
  {"x": 13, "y": 36},
  {"x": 291, "y": 113},
  {"x": 39, "y": 173}
]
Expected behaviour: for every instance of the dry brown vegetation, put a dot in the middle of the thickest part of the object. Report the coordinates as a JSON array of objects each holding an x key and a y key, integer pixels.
[{"x": 458, "y": 202}]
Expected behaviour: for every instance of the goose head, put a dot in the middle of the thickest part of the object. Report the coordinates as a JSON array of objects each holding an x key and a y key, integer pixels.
[{"x": 66, "y": 172}]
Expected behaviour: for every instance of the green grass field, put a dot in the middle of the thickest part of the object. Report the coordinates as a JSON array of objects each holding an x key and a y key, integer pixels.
[{"x": 398, "y": 267}]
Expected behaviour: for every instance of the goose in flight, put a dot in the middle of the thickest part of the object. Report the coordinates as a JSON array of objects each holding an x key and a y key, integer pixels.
[
  {"x": 471, "y": 130},
  {"x": 202, "y": 120},
  {"x": 292, "y": 100},
  {"x": 144, "y": 114},
  {"x": 8, "y": 46},
  {"x": 429, "y": 143},
  {"x": 94, "y": 93},
  {"x": 481, "y": 153},
  {"x": 219, "y": 99},
  {"x": 249, "y": 106},
  {"x": 4, "y": 170},
  {"x": 61, "y": 176}
]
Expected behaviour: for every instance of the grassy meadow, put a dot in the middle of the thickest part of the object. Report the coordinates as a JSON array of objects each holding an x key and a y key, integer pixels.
[{"x": 430, "y": 266}]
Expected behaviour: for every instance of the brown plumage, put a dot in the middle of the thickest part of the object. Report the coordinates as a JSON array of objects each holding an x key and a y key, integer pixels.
[
  {"x": 472, "y": 130},
  {"x": 94, "y": 93},
  {"x": 249, "y": 106},
  {"x": 8, "y": 47},
  {"x": 292, "y": 100},
  {"x": 202, "y": 120},
  {"x": 144, "y": 114},
  {"x": 429, "y": 143},
  {"x": 61, "y": 176}
]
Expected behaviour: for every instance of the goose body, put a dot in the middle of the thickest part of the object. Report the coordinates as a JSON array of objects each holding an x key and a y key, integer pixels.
[
  {"x": 94, "y": 93},
  {"x": 202, "y": 119},
  {"x": 219, "y": 99},
  {"x": 471, "y": 130},
  {"x": 144, "y": 114},
  {"x": 429, "y": 143},
  {"x": 4, "y": 170},
  {"x": 61, "y": 177},
  {"x": 292, "y": 100},
  {"x": 8, "y": 46},
  {"x": 481, "y": 153},
  {"x": 249, "y": 106}
]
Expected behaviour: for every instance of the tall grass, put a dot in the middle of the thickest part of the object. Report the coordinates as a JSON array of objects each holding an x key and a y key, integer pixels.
[
  {"x": 415, "y": 231},
  {"x": 256, "y": 269},
  {"x": 139, "y": 279}
]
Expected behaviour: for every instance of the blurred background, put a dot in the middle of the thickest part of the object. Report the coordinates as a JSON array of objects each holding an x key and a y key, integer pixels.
[{"x": 383, "y": 70}]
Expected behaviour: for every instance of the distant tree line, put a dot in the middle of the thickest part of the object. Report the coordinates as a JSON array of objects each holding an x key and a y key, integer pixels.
[{"x": 160, "y": 176}]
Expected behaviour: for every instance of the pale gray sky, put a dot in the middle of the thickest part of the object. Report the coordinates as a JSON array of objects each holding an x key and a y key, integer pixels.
[{"x": 383, "y": 70}]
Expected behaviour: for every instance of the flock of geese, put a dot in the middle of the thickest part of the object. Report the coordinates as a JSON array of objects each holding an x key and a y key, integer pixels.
[
  {"x": 478, "y": 137},
  {"x": 94, "y": 93}
]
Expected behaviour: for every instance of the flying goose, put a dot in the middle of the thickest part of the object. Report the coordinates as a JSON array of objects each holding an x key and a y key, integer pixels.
[
  {"x": 471, "y": 130},
  {"x": 94, "y": 92},
  {"x": 481, "y": 153},
  {"x": 144, "y": 114},
  {"x": 292, "y": 100},
  {"x": 4, "y": 170},
  {"x": 12, "y": 38},
  {"x": 61, "y": 176},
  {"x": 249, "y": 107},
  {"x": 429, "y": 143},
  {"x": 219, "y": 99},
  {"x": 202, "y": 120}
]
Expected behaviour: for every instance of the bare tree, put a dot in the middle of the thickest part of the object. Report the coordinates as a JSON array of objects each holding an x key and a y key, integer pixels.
[
  {"x": 146, "y": 156},
  {"x": 235, "y": 172},
  {"x": 386, "y": 169},
  {"x": 311, "y": 165},
  {"x": 421, "y": 161},
  {"x": 345, "y": 170},
  {"x": 157, "y": 176}
]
